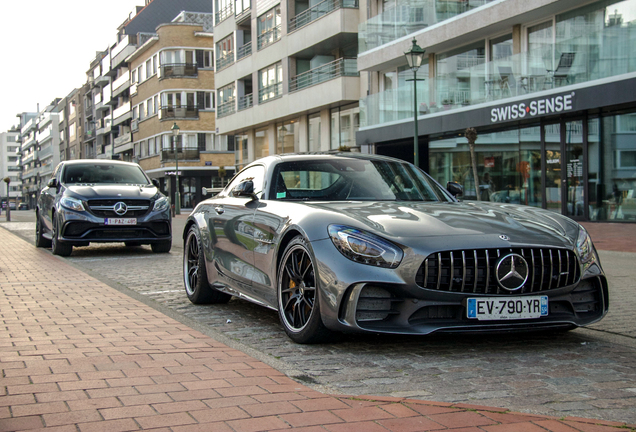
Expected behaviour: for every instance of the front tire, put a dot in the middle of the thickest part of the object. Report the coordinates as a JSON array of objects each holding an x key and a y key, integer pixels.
[
  {"x": 195, "y": 276},
  {"x": 58, "y": 247},
  {"x": 40, "y": 240},
  {"x": 298, "y": 295},
  {"x": 162, "y": 246}
]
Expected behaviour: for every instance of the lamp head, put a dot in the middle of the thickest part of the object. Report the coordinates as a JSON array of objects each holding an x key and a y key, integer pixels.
[
  {"x": 175, "y": 129},
  {"x": 415, "y": 56}
]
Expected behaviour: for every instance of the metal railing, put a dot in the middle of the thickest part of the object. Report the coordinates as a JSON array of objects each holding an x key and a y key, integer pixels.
[
  {"x": 244, "y": 51},
  {"x": 270, "y": 92},
  {"x": 224, "y": 13},
  {"x": 326, "y": 72},
  {"x": 268, "y": 37},
  {"x": 226, "y": 108},
  {"x": 179, "y": 70},
  {"x": 179, "y": 111},
  {"x": 321, "y": 9},
  {"x": 225, "y": 61},
  {"x": 184, "y": 153},
  {"x": 245, "y": 102}
]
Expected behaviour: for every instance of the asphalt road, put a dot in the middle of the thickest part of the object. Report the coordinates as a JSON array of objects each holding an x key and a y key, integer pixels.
[{"x": 588, "y": 372}]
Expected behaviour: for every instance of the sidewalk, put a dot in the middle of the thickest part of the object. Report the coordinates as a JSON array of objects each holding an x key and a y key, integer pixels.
[{"x": 77, "y": 355}]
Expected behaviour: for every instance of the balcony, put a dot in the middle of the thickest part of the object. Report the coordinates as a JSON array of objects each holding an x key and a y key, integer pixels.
[
  {"x": 409, "y": 17},
  {"x": 104, "y": 126},
  {"x": 244, "y": 51},
  {"x": 268, "y": 37},
  {"x": 29, "y": 126},
  {"x": 226, "y": 108},
  {"x": 30, "y": 173},
  {"x": 45, "y": 152},
  {"x": 224, "y": 13},
  {"x": 121, "y": 84},
  {"x": 225, "y": 61},
  {"x": 101, "y": 81},
  {"x": 270, "y": 92},
  {"x": 43, "y": 135},
  {"x": 318, "y": 11},
  {"x": 184, "y": 153},
  {"x": 575, "y": 62},
  {"x": 326, "y": 72},
  {"x": 122, "y": 139},
  {"x": 245, "y": 102},
  {"x": 178, "y": 70},
  {"x": 121, "y": 113},
  {"x": 178, "y": 112},
  {"x": 29, "y": 157}
]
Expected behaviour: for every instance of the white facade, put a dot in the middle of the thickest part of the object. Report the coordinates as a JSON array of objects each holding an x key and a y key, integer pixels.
[{"x": 10, "y": 165}]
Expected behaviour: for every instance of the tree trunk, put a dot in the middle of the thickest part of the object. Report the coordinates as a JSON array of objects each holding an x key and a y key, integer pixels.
[{"x": 473, "y": 159}]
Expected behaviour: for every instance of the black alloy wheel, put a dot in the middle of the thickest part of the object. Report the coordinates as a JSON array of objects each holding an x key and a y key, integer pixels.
[
  {"x": 58, "y": 247},
  {"x": 40, "y": 240},
  {"x": 298, "y": 299},
  {"x": 195, "y": 276}
]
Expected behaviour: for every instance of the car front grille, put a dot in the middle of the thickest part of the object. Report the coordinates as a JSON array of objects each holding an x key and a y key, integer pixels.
[
  {"x": 105, "y": 208},
  {"x": 473, "y": 271}
]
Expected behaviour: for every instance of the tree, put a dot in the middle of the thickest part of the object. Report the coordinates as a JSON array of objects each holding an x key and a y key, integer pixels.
[{"x": 471, "y": 136}]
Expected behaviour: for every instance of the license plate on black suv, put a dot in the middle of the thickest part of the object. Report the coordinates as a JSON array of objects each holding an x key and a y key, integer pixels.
[{"x": 121, "y": 221}]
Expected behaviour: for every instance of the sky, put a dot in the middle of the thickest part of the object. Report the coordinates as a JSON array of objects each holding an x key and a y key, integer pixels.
[{"x": 46, "y": 47}]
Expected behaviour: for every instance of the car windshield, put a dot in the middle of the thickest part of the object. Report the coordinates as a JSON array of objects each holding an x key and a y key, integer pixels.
[
  {"x": 354, "y": 179},
  {"x": 104, "y": 173}
]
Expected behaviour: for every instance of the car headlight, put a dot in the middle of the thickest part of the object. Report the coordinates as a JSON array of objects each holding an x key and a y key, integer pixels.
[
  {"x": 365, "y": 248},
  {"x": 585, "y": 249},
  {"x": 161, "y": 204},
  {"x": 72, "y": 203}
]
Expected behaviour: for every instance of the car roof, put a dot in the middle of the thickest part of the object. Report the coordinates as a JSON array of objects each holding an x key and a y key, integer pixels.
[
  {"x": 97, "y": 161},
  {"x": 290, "y": 157}
]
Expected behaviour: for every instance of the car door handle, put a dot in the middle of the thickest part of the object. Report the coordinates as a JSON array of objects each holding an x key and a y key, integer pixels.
[{"x": 219, "y": 210}]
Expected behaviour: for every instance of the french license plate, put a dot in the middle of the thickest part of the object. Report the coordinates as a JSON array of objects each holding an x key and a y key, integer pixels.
[
  {"x": 121, "y": 221},
  {"x": 507, "y": 308}
]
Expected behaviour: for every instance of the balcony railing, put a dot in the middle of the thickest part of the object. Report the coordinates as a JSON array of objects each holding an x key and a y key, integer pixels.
[
  {"x": 178, "y": 112},
  {"x": 174, "y": 70},
  {"x": 226, "y": 108},
  {"x": 225, "y": 61},
  {"x": 407, "y": 18},
  {"x": 184, "y": 153},
  {"x": 245, "y": 102},
  {"x": 326, "y": 72},
  {"x": 224, "y": 13},
  {"x": 268, "y": 37},
  {"x": 244, "y": 51},
  {"x": 122, "y": 139},
  {"x": 318, "y": 11},
  {"x": 574, "y": 61},
  {"x": 270, "y": 92}
]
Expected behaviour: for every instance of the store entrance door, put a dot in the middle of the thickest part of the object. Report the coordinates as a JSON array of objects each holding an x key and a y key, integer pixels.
[{"x": 566, "y": 168}]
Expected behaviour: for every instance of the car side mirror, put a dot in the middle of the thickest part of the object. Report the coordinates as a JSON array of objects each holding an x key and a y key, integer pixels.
[
  {"x": 244, "y": 189},
  {"x": 155, "y": 182},
  {"x": 455, "y": 189},
  {"x": 52, "y": 183}
]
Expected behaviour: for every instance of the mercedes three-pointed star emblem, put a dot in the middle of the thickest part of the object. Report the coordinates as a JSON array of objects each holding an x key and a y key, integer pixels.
[
  {"x": 512, "y": 272},
  {"x": 120, "y": 208}
]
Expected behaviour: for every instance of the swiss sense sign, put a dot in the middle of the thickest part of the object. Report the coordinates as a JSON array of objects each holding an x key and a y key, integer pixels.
[{"x": 533, "y": 108}]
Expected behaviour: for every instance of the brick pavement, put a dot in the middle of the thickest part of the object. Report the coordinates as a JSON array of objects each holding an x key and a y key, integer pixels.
[{"x": 77, "y": 355}]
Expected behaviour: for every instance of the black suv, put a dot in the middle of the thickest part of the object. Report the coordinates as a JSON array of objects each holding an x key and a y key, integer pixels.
[{"x": 102, "y": 201}]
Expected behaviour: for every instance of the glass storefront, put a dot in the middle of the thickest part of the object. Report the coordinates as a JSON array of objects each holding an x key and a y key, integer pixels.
[
  {"x": 261, "y": 143},
  {"x": 288, "y": 137},
  {"x": 585, "y": 169}
]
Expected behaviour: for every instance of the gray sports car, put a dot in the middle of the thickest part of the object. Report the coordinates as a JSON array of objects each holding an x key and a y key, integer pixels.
[{"x": 353, "y": 242}]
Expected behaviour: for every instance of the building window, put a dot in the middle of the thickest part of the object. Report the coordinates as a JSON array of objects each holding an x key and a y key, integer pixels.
[
  {"x": 205, "y": 100},
  {"x": 204, "y": 59},
  {"x": 201, "y": 141},
  {"x": 288, "y": 138},
  {"x": 314, "y": 132},
  {"x": 270, "y": 82},
  {"x": 269, "y": 27},
  {"x": 345, "y": 122},
  {"x": 261, "y": 143},
  {"x": 225, "y": 52},
  {"x": 454, "y": 84}
]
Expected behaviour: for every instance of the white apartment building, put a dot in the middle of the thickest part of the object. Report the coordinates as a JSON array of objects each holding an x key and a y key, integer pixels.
[
  {"x": 10, "y": 165},
  {"x": 39, "y": 150},
  {"x": 286, "y": 75},
  {"x": 549, "y": 85}
]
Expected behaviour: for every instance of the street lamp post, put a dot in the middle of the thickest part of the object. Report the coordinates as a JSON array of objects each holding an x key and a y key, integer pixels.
[
  {"x": 414, "y": 58},
  {"x": 177, "y": 195}
]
